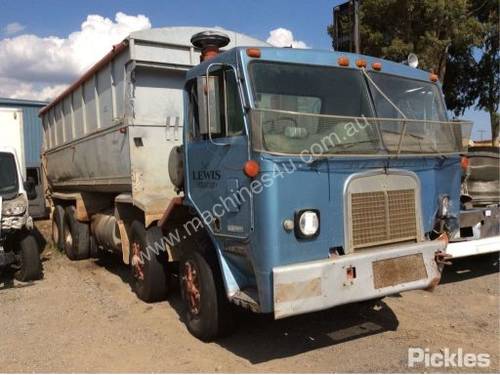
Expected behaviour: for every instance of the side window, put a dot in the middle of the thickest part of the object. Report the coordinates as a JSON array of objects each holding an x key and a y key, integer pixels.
[
  {"x": 218, "y": 103},
  {"x": 33, "y": 174},
  {"x": 234, "y": 111}
]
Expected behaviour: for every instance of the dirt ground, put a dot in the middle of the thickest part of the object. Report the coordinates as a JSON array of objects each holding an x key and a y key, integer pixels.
[{"x": 83, "y": 317}]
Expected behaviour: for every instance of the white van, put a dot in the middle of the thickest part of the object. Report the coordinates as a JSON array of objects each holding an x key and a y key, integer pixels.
[{"x": 19, "y": 247}]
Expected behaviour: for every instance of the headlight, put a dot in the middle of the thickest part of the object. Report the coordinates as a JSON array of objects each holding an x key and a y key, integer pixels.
[
  {"x": 307, "y": 224},
  {"x": 15, "y": 206},
  {"x": 444, "y": 206}
]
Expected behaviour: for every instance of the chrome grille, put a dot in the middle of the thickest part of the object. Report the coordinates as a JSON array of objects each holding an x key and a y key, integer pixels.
[{"x": 382, "y": 217}]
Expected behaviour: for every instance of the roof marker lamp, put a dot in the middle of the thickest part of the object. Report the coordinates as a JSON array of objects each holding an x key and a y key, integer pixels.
[
  {"x": 307, "y": 224},
  {"x": 254, "y": 52},
  {"x": 343, "y": 61},
  {"x": 360, "y": 63}
]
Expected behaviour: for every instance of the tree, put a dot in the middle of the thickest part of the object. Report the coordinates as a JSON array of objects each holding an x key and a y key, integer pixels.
[
  {"x": 444, "y": 34},
  {"x": 486, "y": 86},
  {"x": 472, "y": 76}
]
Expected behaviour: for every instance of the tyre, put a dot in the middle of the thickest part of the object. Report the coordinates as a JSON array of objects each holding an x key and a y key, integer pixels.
[
  {"x": 28, "y": 253},
  {"x": 207, "y": 312},
  {"x": 76, "y": 236},
  {"x": 94, "y": 251},
  {"x": 149, "y": 273},
  {"x": 58, "y": 227}
]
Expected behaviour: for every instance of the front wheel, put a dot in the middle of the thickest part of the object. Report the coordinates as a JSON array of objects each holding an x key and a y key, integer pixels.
[
  {"x": 148, "y": 263},
  {"x": 29, "y": 263},
  {"x": 207, "y": 312}
]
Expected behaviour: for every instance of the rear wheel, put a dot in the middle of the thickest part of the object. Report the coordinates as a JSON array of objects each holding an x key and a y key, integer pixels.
[
  {"x": 57, "y": 227},
  {"x": 76, "y": 236},
  {"x": 207, "y": 312},
  {"x": 148, "y": 263},
  {"x": 29, "y": 263}
]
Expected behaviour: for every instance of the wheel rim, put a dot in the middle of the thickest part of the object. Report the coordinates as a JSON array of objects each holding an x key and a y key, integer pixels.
[
  {"x": 191, "y": 288},
  {"x": 137, "y": 263}
]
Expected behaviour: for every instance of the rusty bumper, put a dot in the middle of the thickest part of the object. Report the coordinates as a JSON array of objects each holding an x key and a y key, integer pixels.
[{"x": 364, "y": 275}]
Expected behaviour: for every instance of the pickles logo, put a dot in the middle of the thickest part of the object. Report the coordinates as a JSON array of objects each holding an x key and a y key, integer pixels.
[{"x": 447, "y": 358}]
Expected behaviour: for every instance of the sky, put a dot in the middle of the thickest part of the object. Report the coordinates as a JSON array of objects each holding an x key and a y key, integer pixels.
[{"x": 45, "y": 45}]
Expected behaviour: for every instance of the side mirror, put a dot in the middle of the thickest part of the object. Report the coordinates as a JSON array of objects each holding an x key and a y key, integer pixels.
[{"x": 29, "y": 186}]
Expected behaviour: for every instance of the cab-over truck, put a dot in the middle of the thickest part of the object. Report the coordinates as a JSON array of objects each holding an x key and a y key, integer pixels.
[{"x": 281, "y": 180}]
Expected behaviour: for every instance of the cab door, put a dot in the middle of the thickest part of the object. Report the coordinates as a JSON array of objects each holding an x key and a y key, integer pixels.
[{"x": 217, "y": 146}]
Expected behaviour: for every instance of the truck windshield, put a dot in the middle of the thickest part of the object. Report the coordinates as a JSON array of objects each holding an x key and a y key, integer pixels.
[
  {"x": 418, "y": 100},
  {"x": 294, "y": 102},
  {"x": 8, "y": 175},
  {"x": 305, "y": 109}
]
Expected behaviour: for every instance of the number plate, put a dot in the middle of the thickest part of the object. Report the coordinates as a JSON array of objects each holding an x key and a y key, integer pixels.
[{"x": 394, "y": 271}]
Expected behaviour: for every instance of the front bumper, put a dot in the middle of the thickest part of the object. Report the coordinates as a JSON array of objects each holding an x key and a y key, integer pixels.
[{"x": 364, "y": 275}]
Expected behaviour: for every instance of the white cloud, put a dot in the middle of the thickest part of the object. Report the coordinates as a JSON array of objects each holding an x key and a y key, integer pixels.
[
  {"x": 13, "y": 28},
  {"x": 12, "y": 88},
  {"x": 281, "y": 37},
  {"x": 33, "y": 67}
]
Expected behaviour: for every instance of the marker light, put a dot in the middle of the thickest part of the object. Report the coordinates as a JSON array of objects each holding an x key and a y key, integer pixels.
[
  {"x": 307, "y": 224},
  {"x": 360, "y": 63},
  {"x": 377, "y": 66},
  {"x": 433, "y": 77},
  {"x": 464, "y": 163},
  {"x": 343, "y": 61},
  {"x": 253, "y": 52},
  {"x": 251, "y": 168}
]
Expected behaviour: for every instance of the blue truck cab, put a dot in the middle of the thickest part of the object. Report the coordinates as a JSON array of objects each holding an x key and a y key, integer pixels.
[{"x": 311, "y": 179}]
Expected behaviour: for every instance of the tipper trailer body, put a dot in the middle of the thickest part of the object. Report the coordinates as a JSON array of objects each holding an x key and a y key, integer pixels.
[
  {"x": 108, "y": 136},
  {"x": 305, "y": 179}
]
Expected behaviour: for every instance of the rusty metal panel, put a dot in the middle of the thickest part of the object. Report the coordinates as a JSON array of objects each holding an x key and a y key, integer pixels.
[
  {"x": 390, "y": 272},
  {"x": 298, "y": 290}
]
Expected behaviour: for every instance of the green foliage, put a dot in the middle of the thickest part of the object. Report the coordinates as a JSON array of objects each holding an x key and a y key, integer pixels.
[{"x": 446, "y": 35}]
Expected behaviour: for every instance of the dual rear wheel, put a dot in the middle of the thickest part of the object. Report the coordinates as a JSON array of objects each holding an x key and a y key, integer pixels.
[{"x": 70, "y": 235}]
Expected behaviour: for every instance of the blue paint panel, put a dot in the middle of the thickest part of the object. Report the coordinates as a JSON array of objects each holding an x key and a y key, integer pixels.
[
  {"x": 33, "y": 134},
  {"x": 322, "y": 187}
]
